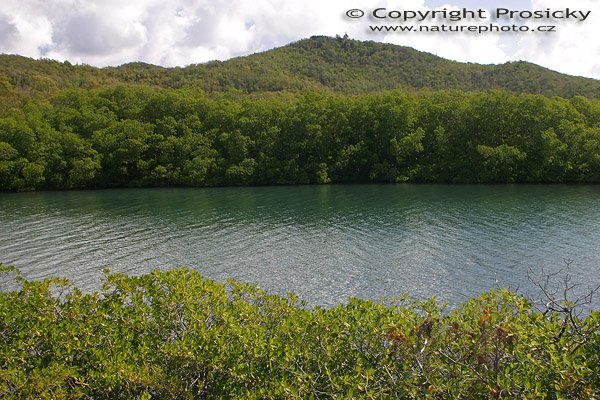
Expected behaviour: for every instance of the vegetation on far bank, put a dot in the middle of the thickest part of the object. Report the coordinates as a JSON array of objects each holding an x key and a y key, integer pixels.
[
  {"x": 176, "y": 335},
  {"x": 139, "y": 136},
  {"x": 315, "y": 111}
]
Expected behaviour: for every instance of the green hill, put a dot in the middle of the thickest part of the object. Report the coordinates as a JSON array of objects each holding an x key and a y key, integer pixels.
[{"x": 319, "y": 63}]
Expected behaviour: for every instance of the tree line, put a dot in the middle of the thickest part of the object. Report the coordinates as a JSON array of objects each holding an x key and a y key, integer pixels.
[{"x": 127, "y": 136}]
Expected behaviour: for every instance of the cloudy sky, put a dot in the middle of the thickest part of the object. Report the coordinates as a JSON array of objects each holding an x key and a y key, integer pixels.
[{"x": 182, "y": 32}]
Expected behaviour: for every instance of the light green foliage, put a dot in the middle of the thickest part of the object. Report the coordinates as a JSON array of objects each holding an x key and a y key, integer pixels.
[
  {"x": 176, "y": 335},
  {"x": 500, "y": 163}
]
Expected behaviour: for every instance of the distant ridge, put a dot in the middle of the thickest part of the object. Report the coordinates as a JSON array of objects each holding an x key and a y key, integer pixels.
[{"x": 318, "y": 63}]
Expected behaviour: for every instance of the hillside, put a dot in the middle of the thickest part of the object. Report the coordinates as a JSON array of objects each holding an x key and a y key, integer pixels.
[{"x": 319, "y": 63}]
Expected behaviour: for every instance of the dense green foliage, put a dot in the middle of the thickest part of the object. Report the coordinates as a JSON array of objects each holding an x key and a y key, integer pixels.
[
  {"x": 139, "y": 136},
  {"x": 176, "y": 335},
  {"x": 292, "y": 116},
  {"x": 318, "y": 63}
]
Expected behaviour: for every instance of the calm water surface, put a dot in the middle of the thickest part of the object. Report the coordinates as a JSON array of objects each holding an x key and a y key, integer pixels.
[{"x": 326, "y": 243}]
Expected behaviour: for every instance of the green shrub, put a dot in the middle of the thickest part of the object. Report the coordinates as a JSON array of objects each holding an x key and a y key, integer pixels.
[{"x": 175, "y": 334}]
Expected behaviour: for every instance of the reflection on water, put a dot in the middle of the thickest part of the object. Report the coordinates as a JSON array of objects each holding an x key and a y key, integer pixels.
[{"x": 326, "y": 243}]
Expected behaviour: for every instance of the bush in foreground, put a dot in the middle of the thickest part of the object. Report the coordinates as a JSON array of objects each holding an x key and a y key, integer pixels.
[{"x": 177, "y": 335}]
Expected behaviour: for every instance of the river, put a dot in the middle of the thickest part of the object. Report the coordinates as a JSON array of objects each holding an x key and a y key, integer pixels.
[{"x": 326, "y": 243}]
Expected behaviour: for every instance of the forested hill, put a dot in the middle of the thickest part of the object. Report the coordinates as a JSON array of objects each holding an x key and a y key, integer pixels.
[{"x": 319, "y": 63}]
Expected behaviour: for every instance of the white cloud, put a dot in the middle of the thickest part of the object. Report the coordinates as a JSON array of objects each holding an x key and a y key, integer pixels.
[
  {"x": 573, "y": 48},
  {"x": 87, "y": 33},
  {"x": 23, "y": 34},
  {"x": 8, "y": 30},
  {"x": 181, "y": 32}
]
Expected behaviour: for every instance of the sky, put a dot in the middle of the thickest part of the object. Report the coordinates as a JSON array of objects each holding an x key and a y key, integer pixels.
[{"x": 183, "y": 32}]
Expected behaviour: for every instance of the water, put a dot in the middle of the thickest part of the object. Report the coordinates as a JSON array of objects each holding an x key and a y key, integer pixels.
[{"x": 326, "y": 243}]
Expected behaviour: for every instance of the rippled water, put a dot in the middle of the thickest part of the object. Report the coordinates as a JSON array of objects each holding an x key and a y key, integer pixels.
[{"x": 325, "y": 243}]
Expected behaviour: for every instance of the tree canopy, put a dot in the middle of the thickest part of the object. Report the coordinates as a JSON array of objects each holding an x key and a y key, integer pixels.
[
  {"x": 316, "y": 111},
  {"x": 139, "y": 136}
]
